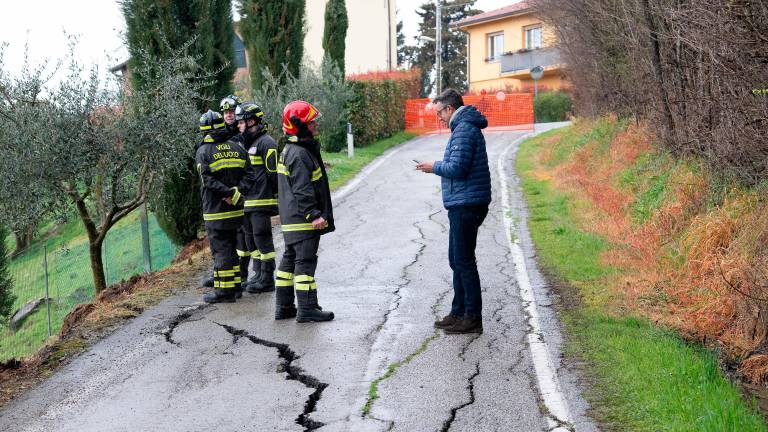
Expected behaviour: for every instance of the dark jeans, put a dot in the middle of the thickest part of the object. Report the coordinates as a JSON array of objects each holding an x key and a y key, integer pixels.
[{"x": 462, "y": 239}]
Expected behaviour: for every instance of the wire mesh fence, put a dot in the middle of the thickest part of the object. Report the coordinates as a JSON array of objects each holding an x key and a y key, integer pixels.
[{"x": 54, "y": 276}]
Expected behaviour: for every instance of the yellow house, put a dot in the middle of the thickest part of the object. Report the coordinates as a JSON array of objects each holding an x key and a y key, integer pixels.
[{"x": 503, "y": 45}]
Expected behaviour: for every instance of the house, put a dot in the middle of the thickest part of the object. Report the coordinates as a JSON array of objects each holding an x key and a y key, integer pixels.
[{"x": 503, "y": 45}]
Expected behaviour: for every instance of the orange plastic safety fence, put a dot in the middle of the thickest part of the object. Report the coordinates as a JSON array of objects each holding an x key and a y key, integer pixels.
[{"x": 513, "y": 111}]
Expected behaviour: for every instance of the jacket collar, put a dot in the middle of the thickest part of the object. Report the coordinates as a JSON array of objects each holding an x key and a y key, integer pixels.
[{"x": 453, "y": 117}]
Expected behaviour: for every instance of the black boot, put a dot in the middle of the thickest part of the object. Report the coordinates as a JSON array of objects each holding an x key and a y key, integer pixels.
[
  {"x": 265, "y": 284},
  {"x": 207, "y": 281},
  {"x": 447, "y": 322},
  {"x": 284, "y": 307},
  {"x": 309, "y": 310},
  {"x": 466, "y": 325},
  {"x": 256, "y": 274},
  {"x": 220, "y": 296},
  {"x": 266, "y": 281}
]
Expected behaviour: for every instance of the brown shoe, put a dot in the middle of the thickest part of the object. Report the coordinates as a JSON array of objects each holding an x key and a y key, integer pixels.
[
  {"x": 466, "y": 325},
  {"x": 448, "y": 321}
]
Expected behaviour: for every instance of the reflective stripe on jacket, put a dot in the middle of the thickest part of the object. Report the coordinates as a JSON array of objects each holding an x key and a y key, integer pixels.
[
  {"x": 303, "y": 191},
  {"x": 225, "y": 171},
  {"x": 262, "y": 196}
]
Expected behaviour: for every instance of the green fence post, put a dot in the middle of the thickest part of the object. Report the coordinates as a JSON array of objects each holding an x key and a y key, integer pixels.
[
  {"x": 145, "y": 239},
  {"x": 47, "y": 297}
]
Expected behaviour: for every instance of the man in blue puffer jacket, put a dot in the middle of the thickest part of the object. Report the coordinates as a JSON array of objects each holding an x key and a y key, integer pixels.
[{"x": 466, "y": 184}]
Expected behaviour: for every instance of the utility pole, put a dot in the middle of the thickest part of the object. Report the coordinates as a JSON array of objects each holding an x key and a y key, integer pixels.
[{"x": 439, "y": 40}]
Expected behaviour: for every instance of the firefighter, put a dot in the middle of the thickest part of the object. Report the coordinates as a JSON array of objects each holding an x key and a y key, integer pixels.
[
  {"x": 306, "y": 213},
  {"x": 261, "y": 199},
  {"x": 227, "y": 107},
  {"x": 224, "y": 170}
]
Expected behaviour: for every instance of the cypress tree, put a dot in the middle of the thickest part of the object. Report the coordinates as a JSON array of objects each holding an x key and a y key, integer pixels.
[
  {"x": 6, "y": 283},
  {"x": 273, "y": 33},
  {"x": 161, "y": 28},
  {"x": 335, "y": 32},
  {"x": 401, "y": 49}
]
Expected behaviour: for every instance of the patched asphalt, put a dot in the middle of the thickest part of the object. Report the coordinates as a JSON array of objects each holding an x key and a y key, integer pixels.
[{"x": 185, "y": 366}]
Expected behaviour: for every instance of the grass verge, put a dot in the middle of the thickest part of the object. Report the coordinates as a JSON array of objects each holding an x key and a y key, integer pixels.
[
  {"x": 342, "y": 169},
  {"x": 643, "y": 378}
]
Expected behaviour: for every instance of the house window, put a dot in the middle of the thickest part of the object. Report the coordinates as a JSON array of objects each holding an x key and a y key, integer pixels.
[
  {"x": 239, "y": 52},
  {"x": 495, "y": 46},
  {"x": 533, "y": 37}
]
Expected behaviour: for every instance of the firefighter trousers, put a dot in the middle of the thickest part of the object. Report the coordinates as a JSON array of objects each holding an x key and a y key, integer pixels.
[
  {"x": 263, "y": 251},
  {"x": 297, "y": 267},
  {"x": 226, "y": 267}
]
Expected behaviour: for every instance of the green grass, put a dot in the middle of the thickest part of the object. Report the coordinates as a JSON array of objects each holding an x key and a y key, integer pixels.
[
  {"x": 373, "y": 390},
  {"x": 648, "y": 179},
  {"x": 70, "y": 278},
  {"x": 343, "y": 169},
  {"x": 602, "y": 133},
  {"x": 643, "y": 378}
]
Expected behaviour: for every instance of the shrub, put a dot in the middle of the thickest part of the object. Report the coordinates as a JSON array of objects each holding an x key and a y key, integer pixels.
[
  {"x": 324, "y": 88},
  {"x": 377, "y": 107},
  {"x": 177, "y": 207},
  {"x": 552, "y": 106}
]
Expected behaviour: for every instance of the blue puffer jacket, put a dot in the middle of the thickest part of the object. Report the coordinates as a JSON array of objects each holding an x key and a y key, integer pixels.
[{"x": 466, "y": 179}]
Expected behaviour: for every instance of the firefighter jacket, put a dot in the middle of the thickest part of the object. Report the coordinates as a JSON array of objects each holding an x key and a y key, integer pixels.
[
  {"x": 261, "y": 198},
  {"x": 304, "y": 193},
  {"x": 225, "y": 171}
]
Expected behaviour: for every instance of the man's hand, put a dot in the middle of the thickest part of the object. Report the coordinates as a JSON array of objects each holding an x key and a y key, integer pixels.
[
  {"x": 227, "y": 200},
  {"x": 319, "y": 223},
  {"x": 425, "y": 166}
]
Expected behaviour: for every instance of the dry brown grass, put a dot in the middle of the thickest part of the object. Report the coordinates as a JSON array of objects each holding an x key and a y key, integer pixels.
[{"x": 700, "y": 270}]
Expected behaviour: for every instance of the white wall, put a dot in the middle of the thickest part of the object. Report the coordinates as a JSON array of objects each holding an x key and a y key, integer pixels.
[{"x": 367, "y": 36}]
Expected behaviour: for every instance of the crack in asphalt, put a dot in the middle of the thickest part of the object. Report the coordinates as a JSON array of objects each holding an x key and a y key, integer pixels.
[
  {"x": 404, "y": 276},
  {"x": 354, "y": 212},
  {"x": 443, "y": 229},
  {"x": 471, "y": 386},
  {"x": 295, "y": 373},
  {"x": 391, "y": 369},
  {"x": 183, "y": 317}
]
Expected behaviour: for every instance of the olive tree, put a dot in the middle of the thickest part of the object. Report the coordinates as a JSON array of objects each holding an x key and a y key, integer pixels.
[
  {"x": 95, "y": 146},
  {"x": 322, "y": 86}
]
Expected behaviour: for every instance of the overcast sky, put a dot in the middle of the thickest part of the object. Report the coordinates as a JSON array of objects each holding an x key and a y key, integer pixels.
[{"x": 99, "y": 24}]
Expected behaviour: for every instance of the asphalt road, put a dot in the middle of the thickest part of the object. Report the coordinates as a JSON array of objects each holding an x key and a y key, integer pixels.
[{"x": 185, "y": 366}]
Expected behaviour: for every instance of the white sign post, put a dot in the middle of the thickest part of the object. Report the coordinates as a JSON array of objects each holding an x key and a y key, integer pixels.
[{"x": 350, "y": 142}]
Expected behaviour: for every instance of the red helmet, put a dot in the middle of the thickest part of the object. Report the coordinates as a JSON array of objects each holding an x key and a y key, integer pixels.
[{"x": 303, "y": 111}]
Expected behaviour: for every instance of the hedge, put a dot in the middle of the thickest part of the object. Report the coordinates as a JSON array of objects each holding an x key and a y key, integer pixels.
[{"x": 376, "y": 110}]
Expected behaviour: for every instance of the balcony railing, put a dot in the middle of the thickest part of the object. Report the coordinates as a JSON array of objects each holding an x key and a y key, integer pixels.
[{"x": 524, "y": 61}]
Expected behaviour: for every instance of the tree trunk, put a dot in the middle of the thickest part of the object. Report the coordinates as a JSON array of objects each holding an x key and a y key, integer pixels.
[
  {"x": 95, "y": 241},
  {"x": 97, "y": 266},
  {"x": 658, "y": 69},
  {"x": 23, "y": 239}
]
